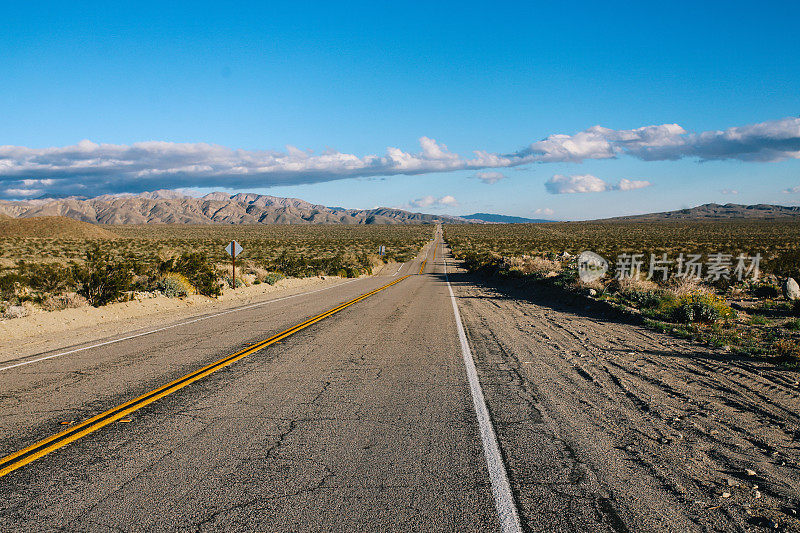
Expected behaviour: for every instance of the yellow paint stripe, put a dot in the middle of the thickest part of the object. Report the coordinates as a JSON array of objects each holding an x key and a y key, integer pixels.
[
  {"x": 422, "y": 266},
  {"x": 16, "y": 460}
]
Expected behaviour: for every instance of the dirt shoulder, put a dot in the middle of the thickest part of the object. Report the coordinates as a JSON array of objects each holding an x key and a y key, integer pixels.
[
  {"x": 43, "y": 331},
  {"x": 634, "y": 429}
]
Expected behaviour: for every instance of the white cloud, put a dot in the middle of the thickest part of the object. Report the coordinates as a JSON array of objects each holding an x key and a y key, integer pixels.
[
  {"x": 88, "y": 168},
  {"x": 729, "y": 191},
  {"x": 630, "y": 185},
  {"x": 768, "y": 141},
  {"x": 490, "y": 177},
  {"x": 561, "y": 184},
  {"x": 546, "y": 211},
  {"x": 432, "y": 202},
  {"x": 583, "y": 183},
  {"x": 792, "y": 190}
]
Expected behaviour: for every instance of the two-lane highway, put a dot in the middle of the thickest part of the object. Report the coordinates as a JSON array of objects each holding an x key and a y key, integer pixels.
[
  {"x": 369, "y": 406},
  {"x": 363, "y": 420}
]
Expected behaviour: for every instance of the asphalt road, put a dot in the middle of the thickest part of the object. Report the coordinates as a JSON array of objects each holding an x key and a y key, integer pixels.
[
  {"x": 363, "y": 421},
  {"x": 367, "y": 420}
]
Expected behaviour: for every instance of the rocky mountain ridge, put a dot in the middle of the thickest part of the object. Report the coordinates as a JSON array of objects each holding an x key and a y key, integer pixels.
[
  {"x": 717, "y": 212},
  {"x": 173, "y": 207}
]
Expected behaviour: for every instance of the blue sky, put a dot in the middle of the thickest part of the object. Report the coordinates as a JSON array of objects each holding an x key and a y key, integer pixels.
[{"x": 357, "y": 78}]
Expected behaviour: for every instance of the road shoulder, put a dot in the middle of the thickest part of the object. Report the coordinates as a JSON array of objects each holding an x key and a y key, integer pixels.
[{"x": 608, "y": 426}]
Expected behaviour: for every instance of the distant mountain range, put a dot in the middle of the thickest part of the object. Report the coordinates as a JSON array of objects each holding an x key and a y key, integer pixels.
[
  {"x": 717, "y": 212},
  {"x": 503, "y": 219},
  {"x": 172, "y": 207}
]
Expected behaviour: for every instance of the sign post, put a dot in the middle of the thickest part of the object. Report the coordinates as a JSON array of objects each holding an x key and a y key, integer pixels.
[{"x": 233, "y": 249}]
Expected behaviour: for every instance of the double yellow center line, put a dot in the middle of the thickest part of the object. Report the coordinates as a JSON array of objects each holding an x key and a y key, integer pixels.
[
  {"x": 40, "y": 449},
  {"x": 422, "y": 266}
]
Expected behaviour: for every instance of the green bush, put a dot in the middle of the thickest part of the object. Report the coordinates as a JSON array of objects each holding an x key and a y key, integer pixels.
[
  {"x": 101, "y": 281},
  {"x": 698, "y": 307},
  {"x": 49, "y": 277},
  {"x": 786, "y": 264},
  {"x": 175, "y": 285},
  {"x": 198, "y": 269},
  {"x": 9, "y": 285},
  {"x": 229, "y": 282},
  {"x": 695, "y": 312},
  {"x": 644, "y": 299},
  {"x": 272, "y": 278}
]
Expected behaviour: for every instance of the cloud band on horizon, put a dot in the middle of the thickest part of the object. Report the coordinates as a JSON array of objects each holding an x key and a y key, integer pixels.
[
  {"x": 93, "y": 169},
  {"x": 583, "y": 183}
]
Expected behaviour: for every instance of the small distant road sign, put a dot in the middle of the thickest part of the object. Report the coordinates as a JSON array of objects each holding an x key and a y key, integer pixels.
[{"x": 234, "y": 249}]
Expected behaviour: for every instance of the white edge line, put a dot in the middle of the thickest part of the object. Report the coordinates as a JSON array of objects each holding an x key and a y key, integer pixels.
[
  {"x": 106, "y": 343},
  {"x": 501, "y": 488}
]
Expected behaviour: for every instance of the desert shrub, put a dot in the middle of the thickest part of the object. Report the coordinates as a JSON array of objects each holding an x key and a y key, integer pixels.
[
  {"x": 785, "y": 264},
  {"x": 686, "y": 286},
  {"x": 100, "y": 279},
  {"x": 487, "y": 262},
  {"x": 272, "y": 278},
  {"x": 348, "y": 272},
  {"x": 647, "y": 299},
  {"x": 787, "y": 348},
  {"x": 175, "y": 285},
  {"x": 758, "y": 320},
  {"x": 49, "y": 277},
  {"x": 63, "y": 301},
  {"x": 531, "y": 266},
  {"x": 365, "y": 261},
  {"x": 698, "y": 307},
  {"x": 565, "y": 278},
  {"x": 197, "y": 269},
  {"x": 10, "y": 284},
  {"x": 626, "y": 285},
  {"x": 145, "y": 282},
  {"x": 230, "y": 283}
]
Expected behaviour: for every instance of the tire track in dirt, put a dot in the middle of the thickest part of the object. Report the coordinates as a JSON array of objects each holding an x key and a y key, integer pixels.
[{"x": 657, "y": 429}]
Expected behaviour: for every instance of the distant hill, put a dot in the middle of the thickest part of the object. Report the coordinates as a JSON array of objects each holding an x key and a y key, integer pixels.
[
  {"x": 504, "y": 219},
  {"x": 52, "y": 228},
  {"x": 718, "y": 212},
  {"x": 172, "y": 207}
]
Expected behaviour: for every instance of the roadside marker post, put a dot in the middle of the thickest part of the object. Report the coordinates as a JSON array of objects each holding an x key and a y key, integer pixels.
[{"x": 233, "y": 249}]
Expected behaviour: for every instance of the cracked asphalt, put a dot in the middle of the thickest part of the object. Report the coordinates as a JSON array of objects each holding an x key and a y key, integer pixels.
[{"x": 364, "y": 422}]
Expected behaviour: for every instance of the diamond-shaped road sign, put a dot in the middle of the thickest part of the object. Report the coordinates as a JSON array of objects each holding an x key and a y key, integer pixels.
[{"x": 233, "y": 249}]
